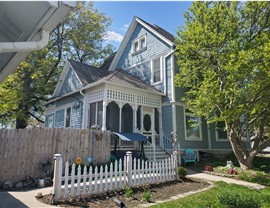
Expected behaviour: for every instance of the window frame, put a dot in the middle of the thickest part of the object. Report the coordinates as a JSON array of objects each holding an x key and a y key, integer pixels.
[
  {"x": 217, "y": 137},
  {"x": 160, "y": 70},
  {"x": 139, "y": 41},
  {"x": 200, "y": 126},
  {"x": 70, "y": 116}
]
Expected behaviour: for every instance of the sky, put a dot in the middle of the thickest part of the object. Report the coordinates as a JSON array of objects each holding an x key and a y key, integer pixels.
[{"x": 167, "y": 14}]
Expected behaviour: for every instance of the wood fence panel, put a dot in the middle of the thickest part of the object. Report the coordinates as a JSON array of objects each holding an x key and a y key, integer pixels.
[{"x": 22, "y": 151}]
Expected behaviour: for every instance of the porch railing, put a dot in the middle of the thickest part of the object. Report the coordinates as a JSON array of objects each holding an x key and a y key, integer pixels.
[
  {"x": 149, "y": 151},
  {"x": 120, "y": 144}
]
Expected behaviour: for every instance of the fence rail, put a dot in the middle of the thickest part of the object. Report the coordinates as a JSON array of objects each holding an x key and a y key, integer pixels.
[
  {"x": 131, "y": 172},
  {"x": 22, "y": 151}
]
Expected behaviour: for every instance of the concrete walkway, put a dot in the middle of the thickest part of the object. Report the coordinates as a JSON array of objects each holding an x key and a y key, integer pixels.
[
  {"x": 24, "y": 199},
  {"x": 209, "y": 177}
]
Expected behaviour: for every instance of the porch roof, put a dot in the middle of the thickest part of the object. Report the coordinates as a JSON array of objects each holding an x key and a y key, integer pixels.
[{"x": 131, "y": 137}]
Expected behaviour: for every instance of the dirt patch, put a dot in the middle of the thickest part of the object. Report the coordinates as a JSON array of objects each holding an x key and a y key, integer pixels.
[{"x": 161, "y": 191}]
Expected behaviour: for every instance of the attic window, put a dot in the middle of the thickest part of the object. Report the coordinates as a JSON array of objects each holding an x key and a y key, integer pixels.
[{"x": 139, "y": 44}]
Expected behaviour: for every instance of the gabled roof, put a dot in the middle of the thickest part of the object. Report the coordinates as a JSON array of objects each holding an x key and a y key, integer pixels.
[
  {"x": 86, "y": 73},
  {"x": 123, "y": 78},
  {"x": 164, "y": 35},
  {"x": 160, "y": 30}
]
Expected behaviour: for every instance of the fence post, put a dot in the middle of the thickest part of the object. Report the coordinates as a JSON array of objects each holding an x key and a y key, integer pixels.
[
  {"x": 175, "y": 165},
  {"x": 129, "y": 168},
  {"x": 57, "y": 176}
]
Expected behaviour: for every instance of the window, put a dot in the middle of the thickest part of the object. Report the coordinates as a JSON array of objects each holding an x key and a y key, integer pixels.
[
  {"x": 221, "y": 133},
  {"x": 156, "y": 70},
  {"x": 96, "y": 111},
  {"x": 139, "y": 44},
  {"x": 193, "y": 128},
  {"x": 68, "y": 113}
]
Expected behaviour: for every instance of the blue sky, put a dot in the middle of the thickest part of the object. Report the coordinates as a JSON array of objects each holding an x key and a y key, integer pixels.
[{"x": 166, "y": 14}]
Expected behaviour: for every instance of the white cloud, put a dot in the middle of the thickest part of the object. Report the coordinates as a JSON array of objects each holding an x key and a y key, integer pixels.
[
  {"x": 125, "y": 27},
  {"x": 114, "y": 36}
]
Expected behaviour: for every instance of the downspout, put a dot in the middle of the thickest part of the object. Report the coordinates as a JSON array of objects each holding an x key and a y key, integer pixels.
[
  {"x": 83, "y": 113},
  {"x": 8, "y": 47}
]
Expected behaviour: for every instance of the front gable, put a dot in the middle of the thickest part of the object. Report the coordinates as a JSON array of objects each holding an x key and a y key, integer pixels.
[
  {"x": 68, "y": 81},
  {"x": 142, "y": 51}
]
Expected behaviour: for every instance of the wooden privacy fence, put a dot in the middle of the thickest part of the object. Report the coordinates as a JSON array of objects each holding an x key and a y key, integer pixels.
[
  {"x": 126, "y": 172},
  {"x": 22, "y": 151}
]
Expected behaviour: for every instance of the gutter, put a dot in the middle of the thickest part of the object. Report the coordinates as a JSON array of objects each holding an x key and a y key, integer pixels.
[
  {"x": 8, "y": 47},
  {"x": 83, "y": 111}
]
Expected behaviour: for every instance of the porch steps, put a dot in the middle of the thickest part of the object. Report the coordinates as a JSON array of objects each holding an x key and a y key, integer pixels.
[{"x": 160, "y": 153}]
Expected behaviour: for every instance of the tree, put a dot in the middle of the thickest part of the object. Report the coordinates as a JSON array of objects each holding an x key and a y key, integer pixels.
[
  {"x": 224, "y": 57},
  {"x": 81, "y": 37}
]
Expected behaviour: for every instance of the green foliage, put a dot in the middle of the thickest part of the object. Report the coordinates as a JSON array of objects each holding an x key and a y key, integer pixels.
[
  {"x": 235, "y": 198},
  {"x": 147, "y": 195},
  {"x": 128, "y": 191},
  {"x": 224, "y": 56},
  {"x": 255, "y": 177},
  {"x": 213, "y": 198},
  {"x": 182, "y": 172},
  {"x": 81, "y": 37}
]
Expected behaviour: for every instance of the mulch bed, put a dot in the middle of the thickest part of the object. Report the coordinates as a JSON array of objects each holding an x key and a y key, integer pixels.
[{"x": 161, "y": 191}]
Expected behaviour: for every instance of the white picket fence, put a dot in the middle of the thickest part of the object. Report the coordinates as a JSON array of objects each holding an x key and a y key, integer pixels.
[{"x": 113, "y": 177}]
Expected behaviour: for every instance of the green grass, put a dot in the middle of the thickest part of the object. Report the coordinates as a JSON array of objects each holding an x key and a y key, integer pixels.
[{"x": 212, "y": 198}]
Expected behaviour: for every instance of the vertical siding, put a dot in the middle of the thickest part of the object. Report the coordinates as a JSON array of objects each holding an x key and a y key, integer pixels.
[{"x": 70, "y": 84}]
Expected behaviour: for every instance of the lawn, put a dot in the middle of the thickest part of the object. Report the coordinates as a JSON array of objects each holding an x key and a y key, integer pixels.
[{"x": 223, "y": 195}]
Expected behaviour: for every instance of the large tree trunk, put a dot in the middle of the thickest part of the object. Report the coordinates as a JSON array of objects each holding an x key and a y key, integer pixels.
[{"x": 242, "y": 154}]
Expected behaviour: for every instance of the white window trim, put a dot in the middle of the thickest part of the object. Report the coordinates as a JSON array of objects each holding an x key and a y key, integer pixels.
[
  {"x": 161, "y": 71},
  {"x": 200, "y": 129},
  {"x": 139, "y": 44},
  {"x": 65, "y": 118}
]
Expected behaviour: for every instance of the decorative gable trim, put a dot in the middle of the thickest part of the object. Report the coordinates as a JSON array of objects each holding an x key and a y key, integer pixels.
[
  {"x": 127, "y": 37},
  {"x": 62, "y": 78}
]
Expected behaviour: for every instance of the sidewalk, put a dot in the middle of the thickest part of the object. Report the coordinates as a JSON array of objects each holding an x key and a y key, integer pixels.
[
  {"x": 208, "y": 177},
  {"x": 24, "y": 199}
]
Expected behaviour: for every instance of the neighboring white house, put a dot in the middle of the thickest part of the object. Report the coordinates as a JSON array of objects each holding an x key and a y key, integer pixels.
[{"x": 25, "y": 27}]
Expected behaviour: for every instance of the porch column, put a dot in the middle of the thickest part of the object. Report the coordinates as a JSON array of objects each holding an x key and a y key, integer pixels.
[
  {"x": 134, "y": 108},
  {"x": 120, "y": 116},
  {"x": 104, "y": 113},
  {"x": 153, "y": 132}
]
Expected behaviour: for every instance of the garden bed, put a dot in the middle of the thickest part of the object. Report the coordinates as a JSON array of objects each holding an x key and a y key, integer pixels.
[{"x": 162, "y": 191}]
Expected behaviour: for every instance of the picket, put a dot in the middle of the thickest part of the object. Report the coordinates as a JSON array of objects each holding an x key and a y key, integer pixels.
[{"x": 113, "y": 177}]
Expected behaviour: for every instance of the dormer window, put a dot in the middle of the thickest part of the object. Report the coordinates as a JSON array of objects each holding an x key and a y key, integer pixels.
[{"x": 139, "y": 44}]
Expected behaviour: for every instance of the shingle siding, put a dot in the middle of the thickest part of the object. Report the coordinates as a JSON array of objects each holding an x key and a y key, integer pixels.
[
  {"x": 167, "y": 120},
  {"x": 181, "y": 132},
  {"x": 70, "y": 84}
]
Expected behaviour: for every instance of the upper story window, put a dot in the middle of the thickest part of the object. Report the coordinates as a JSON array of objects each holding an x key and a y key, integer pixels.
[
  {"x": 139, "y": 44},
  {"x": 221, "y": 133},
  {"x": 193, "y": 127},
  {"x": 156, "y": 70},
  {"x": 68, "y": 117}
]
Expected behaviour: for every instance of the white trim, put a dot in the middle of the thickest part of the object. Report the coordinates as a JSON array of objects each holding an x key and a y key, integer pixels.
[
  {"x": 138, "y": 40},
  {"x": 160, "y": 72},
  {"x": 200, "y": 127},
  {"x": 127, "y": 37}
]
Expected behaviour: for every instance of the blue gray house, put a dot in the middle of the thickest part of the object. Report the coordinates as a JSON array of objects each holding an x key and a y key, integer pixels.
[{"x": 133, "y": 91}]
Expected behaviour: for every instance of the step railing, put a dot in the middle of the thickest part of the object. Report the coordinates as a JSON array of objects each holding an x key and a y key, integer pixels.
[
  {"x": 166, "y": 144},
  {"x": 149, "y": 151}
]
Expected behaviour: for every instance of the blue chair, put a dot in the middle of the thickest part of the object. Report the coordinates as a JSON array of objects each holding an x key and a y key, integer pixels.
[{"x": 189, "y": 156}]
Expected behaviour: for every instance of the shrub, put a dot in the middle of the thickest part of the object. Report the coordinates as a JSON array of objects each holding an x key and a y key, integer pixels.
[
  {"x": 182, "y": 172},
  {"x": 239, "y": 199},
  {"x": 232, "y": 171},
  {"x": 208, "y": 168},
  {"x": 147, "y": 195},
  {"x": 128, "y": 191}
]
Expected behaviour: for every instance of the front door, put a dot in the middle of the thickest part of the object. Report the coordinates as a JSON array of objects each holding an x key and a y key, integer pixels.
[{"x": 148, "y": 124}]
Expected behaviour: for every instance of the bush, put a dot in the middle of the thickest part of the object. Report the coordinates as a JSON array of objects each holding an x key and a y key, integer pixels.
[
  {"x": 128, "y": 191},
  {"x": 182, "y": 172},
  {"x": 208, "y": 168},
  {"x": 234, "y": 198}
]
